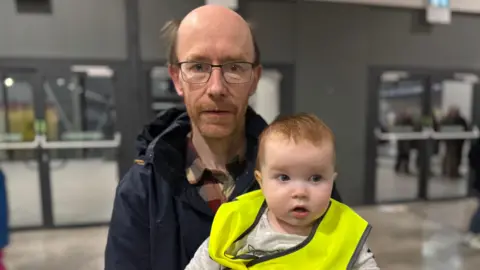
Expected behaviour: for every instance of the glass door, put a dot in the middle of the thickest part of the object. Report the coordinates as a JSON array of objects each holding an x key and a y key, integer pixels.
[
  {"x": 399, "y": 136},
  {"x": 81, "y": 142},
  {"x": 58, "y": 144},
  {"x": 424, "y": 123},
  {"x": 453, "y": 103},
  {"x": 21, "y": 159}
]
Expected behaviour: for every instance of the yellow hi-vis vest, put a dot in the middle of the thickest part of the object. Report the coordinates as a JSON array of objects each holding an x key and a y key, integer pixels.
[{"x": 334, "y": 243}]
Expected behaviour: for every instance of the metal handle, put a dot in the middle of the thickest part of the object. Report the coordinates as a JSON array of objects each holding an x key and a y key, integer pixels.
[
  {"x": 457, "y": 135},
  {"x": 82, "y": 144},
  {"x": 401, "y": 136},
  {"x": 429, "y": 134},
  {"x": 40, "y": 141},
  {"x": 20, "y": 145}
]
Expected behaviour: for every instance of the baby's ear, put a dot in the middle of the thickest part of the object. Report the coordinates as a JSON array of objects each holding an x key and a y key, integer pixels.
[
  {"x": 334, "y": 177},
  {"x": 258, "y": 177}
]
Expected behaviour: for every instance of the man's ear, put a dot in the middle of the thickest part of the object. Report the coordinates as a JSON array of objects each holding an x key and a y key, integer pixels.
[
  {"x": 174, "y": 72},
  {"x": 258, "y": 177},
  {"x": 257, "y": 74}
]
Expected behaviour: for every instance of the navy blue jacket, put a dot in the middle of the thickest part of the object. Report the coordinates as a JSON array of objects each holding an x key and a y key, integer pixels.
[
  {"x": 474, "y": 159},
  {"x": 159, "y": 219}
]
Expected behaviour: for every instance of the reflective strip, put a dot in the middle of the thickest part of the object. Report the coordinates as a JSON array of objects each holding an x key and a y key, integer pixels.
[{"x": 360, "y": 245}]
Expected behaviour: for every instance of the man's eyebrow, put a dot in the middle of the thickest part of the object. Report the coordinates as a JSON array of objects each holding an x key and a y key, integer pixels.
[
  {"x": 198, "y": 58},
  {"x": 226, "y": 59},
  {"x": 237, "y": 58}
]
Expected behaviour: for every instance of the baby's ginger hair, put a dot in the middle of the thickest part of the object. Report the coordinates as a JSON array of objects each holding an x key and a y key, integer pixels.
[{"x": 301, "y": 127}]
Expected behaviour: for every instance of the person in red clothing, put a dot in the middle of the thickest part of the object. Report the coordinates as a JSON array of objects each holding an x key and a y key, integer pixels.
[{"x": 2, "y": 264}]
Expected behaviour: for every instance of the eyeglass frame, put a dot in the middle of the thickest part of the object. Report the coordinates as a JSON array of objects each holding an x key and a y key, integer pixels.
[{"x": 253, "y": 66}]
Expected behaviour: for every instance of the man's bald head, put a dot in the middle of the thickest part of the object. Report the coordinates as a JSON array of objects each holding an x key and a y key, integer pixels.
[
  {"x": 213, "y": 15},
  {"x": 214, "y": 65},
  {"x": 204, "y": 22}
]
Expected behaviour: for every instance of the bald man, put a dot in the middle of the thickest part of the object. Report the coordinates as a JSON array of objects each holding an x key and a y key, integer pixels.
[{"x": 190, "y": 162}]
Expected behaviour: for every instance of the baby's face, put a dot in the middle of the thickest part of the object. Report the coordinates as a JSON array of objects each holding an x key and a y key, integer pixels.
[{"x": 297, "y": 181}]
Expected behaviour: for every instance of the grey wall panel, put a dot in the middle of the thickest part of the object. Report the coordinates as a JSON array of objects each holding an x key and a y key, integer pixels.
[
  {"x": 331, "y": 79},
  {"x": 75, "y": 29},
  {"x": 153, "y": 15},
  {"x": 392, "y": 40},
  {"x": 278, "y": 44},
  {"x": 274, "y": 26}
]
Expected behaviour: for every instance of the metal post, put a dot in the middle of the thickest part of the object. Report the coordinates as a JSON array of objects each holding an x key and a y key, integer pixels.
[
  {"x": 43, "y": 155},
  {"x": 131, "y": 98},
  {"x": 425, "y": 145},
  {"x": 133, "y": 39}
]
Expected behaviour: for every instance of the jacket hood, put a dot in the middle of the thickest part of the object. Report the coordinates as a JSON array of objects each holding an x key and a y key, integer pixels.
[{"x": 173, "y": 118}]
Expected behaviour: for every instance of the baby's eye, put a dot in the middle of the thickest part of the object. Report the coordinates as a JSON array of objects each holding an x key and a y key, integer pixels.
[
  {"x": 283, "y": 177},
  {"x": 316, "y": 178}
]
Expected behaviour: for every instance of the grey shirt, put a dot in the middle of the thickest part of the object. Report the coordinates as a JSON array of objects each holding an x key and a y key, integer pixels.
[{"x": 264, "y": 240}]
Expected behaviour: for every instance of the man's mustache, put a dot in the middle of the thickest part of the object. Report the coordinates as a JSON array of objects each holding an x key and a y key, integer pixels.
[{"x": 218, "y": 107}]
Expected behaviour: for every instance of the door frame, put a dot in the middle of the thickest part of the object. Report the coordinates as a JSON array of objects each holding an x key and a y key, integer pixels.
[{"x": 373, "y": 81}]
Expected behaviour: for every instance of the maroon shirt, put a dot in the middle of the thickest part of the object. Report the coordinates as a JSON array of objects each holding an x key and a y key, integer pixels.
[{"x": 215, "y": 187}]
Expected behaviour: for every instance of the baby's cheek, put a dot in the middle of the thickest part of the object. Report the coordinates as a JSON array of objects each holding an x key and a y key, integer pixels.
[{"x": 322, "y": 204}]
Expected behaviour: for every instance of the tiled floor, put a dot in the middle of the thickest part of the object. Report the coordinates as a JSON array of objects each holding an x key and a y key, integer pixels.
[
  {"x": 404, "y": 237},
  {"x": 400, "y": 187},
  {"x": 394, "y": 187},
  {"x": 422, "y": 236}
]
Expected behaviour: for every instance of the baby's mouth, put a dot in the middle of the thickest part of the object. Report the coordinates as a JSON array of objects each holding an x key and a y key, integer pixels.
[
  {"x": 300, "y": 209},
  {"x": 300, "y": 212}
]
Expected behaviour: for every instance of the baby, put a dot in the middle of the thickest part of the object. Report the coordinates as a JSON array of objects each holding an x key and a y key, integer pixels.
[{"x": 291, "y": 223}]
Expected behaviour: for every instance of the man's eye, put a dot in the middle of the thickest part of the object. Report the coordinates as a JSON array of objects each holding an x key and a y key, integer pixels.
[
  {"x": 283, "y": 177},
  {"x": 235, "y": 67},
  {"x": 316, "y": 178},
  {"x": 198, "y": 67}
]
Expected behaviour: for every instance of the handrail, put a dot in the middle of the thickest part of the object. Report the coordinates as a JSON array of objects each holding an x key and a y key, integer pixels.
[
  {"x": 428, "y": 134},
  {"x": 82, "y": 144},
  {"x": 40, "y": 141},
  {"x": 423, "y": 135},
  {"x": 20, "y": 145},
  {"x": 457, "y": 135}
]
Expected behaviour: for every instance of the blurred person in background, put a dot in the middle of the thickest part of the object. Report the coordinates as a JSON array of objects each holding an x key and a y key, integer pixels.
[
  {"x": 454, "y": 148},
  {"x": 190, "y": 162},
  {"x": 402, "y": 164},
  {"x": 4, "y": 233},
  {"x": 473, "y": 238},
  {"x": 436, "y": 118}
]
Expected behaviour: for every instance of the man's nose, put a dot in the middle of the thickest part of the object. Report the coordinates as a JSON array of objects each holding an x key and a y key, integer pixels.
[{"x": 217, "y": 85}]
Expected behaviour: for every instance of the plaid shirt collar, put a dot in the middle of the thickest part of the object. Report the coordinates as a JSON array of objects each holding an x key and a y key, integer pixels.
[{"x": 195, "y": 169}]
